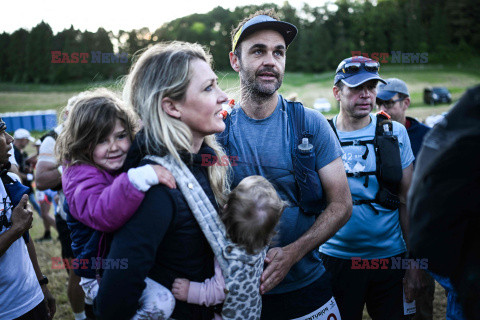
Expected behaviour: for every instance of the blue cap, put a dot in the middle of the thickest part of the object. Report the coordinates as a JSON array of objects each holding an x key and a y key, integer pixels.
[
  {"x": 393, "y": 86},
  {"x": 357, "y": 70},
  {"x": 264, "y": 22}
]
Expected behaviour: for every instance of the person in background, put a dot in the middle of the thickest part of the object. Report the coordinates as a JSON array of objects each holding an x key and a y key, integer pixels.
[
  {"x": 379, "y": 224},
  {"x": 394, "y": 98},
  {"x": 48, "y": 175}
]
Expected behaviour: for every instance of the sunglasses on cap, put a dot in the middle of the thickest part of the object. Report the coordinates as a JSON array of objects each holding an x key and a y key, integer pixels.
[
  {"x": 357, "y": 66},
  {"x": 3, "y": 126}
]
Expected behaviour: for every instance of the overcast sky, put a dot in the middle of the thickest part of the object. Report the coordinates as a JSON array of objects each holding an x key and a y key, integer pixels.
[{"x": 111, "y": 15}]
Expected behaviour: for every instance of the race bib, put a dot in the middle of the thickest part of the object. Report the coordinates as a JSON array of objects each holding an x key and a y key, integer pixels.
[
  {"x": 408, "y": 307},
  {"x": 329, "y": 311}
]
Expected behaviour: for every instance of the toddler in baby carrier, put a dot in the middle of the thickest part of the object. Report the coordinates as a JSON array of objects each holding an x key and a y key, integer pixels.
[{"x": 252, "y": 211}]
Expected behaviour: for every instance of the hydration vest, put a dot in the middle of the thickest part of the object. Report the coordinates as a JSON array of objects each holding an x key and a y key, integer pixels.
[
  {"x": 388, "y": 163},
  {"x": 309, "y": 187}
]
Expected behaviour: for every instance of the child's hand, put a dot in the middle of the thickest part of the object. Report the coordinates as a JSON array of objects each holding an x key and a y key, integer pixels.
[
  {"x": 164, "y": 176},
  {"x": 180, "y": 289}
]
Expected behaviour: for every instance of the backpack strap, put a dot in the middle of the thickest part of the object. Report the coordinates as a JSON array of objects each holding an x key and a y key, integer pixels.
[
  {"x": 309, "y": 187},
  {"x": 330, "y": 122}
]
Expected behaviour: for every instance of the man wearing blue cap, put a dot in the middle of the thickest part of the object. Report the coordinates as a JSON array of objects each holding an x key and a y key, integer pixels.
[
  {"x": 365, "y": 255},
  {"x": 394, "y": 98},
  {"x": 294, "y": 283}
]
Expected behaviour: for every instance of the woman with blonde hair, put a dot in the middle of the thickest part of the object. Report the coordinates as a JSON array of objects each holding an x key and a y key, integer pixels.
[{"x": 175, "y": 93}]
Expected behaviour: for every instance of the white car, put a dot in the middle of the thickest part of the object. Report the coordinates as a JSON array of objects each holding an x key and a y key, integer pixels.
[{"x": 322, "y": 105}]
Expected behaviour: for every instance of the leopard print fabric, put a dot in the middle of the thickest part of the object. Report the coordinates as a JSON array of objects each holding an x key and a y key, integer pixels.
[{"x": 241, "y": 270}]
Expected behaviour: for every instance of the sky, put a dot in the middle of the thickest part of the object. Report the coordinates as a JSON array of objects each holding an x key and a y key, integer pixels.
[{"x": 111, "y": 15}]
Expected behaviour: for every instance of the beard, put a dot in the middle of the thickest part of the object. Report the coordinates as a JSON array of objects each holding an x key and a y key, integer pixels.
[{"x": 256, "y": 89}]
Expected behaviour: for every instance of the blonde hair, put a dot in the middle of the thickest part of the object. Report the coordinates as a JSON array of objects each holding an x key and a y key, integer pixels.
[
  {"x": 92, "y": 117},
  {"x": 252, "y": 212},
  {"x": 164, "y": 70}
]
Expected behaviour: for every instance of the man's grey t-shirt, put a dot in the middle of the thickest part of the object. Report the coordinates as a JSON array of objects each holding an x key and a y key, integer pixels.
[{"x": 262, "y": 147}]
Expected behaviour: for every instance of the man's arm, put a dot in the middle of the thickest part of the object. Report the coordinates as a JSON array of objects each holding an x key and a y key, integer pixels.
[
  {"x": 336, "y": 214},
  {"x": 47, "y": 175}
]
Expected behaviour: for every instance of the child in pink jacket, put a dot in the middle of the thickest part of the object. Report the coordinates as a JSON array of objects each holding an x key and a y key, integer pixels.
[
  {"x": 252, "y": 211},
  {"x": 93, "y": 146}
]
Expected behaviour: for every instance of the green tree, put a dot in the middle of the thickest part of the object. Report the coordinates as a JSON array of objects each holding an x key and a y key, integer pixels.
[
  {"x": 16, "y": 55},
  {"x": 4, "y": 42},
  {"x": 38, "y": 49}
]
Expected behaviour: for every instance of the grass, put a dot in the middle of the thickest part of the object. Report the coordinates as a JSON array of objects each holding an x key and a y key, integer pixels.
[{"x": 306, "y": 86}]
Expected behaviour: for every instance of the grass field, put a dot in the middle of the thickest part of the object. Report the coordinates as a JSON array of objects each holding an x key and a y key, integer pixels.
[
  {"x": 307, "y": 86},
  {"x": 22, "y": 97}
]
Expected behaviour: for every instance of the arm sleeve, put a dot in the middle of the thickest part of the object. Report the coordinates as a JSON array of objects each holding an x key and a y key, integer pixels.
[
  {"x": 136, "y": 245},
  {"x": 97, "y": 202},
  {"x": 210, "y": 292}
]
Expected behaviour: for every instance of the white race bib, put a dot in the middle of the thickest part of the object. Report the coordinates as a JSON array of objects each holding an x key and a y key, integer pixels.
[{"x": 329, "y": 311}]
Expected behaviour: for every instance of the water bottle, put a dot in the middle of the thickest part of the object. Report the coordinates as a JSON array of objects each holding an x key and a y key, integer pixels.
[
  {"x": 227, "y": 109},
  {"x": 305, "y": 147}
]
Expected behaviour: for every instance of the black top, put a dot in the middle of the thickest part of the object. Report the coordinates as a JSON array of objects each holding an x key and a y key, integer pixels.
[{"x": 162, "y": 241}]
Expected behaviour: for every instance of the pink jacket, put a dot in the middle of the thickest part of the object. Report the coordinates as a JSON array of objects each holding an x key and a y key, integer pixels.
[
  {"x": 98, "y": 199},
  {"x": 210, "y": 292}
]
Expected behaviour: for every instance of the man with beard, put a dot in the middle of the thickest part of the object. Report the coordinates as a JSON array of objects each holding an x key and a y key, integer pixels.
[
  {"x": 294, "y": 283},
  {"x": 365, "y": 257}
]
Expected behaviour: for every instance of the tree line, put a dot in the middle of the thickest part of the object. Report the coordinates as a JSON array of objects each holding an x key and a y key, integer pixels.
[{"x": 397, "y": 31}]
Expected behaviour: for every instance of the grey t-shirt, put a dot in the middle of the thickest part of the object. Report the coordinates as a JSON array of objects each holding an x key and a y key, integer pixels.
[{"x": 262, "y": 147}]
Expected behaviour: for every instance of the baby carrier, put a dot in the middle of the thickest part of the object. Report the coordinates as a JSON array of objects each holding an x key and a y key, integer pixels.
[{"x": 241, "y": 270}]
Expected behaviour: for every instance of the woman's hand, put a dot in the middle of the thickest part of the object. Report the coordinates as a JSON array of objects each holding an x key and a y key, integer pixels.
[
  {"x": 164, "y": 176},
  {"x": 180, "y": 289}
]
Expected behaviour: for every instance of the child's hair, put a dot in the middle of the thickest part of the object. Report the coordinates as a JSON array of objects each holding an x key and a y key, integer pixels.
[
  {"x": 91, "y": 119},
  {"x": 252, "y": 212}
]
